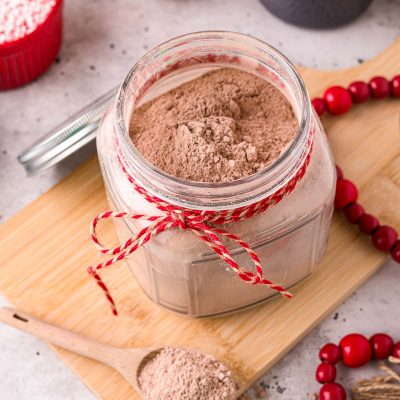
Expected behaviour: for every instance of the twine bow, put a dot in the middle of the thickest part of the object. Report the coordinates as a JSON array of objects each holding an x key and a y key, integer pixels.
[{"x": 203, "y": 223}]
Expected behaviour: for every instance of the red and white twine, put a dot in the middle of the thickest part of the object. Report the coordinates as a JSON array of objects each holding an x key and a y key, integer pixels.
[{"x": 203, "y": 223}]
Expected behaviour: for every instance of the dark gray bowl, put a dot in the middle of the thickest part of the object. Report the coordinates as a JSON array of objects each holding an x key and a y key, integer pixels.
[{"x": 317, "y": 13}]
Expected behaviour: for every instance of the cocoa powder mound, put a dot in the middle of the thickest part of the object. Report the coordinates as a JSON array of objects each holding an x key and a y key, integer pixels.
[
  {"x": 222, "y": 126},
  {"x": 183, "y": 374}
]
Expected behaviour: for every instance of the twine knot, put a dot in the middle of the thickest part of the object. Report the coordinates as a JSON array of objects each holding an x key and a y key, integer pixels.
[{"x": 180, "y": 219}]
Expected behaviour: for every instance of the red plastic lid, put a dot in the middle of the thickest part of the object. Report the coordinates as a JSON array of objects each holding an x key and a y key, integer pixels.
[{"x": 30, "y": 38}]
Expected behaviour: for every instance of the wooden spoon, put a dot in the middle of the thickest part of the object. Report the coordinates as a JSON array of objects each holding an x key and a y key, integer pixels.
[{"x": 126, "y": 361}]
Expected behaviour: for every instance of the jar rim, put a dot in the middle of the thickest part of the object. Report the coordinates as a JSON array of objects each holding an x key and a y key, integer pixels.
[{"x": 226, "y": 191}]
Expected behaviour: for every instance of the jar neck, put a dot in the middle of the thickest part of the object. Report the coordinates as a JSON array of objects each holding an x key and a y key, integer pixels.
[{"x": 194, "y": 54}]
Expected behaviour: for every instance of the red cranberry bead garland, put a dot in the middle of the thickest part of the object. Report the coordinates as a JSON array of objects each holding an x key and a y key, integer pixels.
[
  {"x": 396, "y": 351},
  {"x": 396, "y": 251},
  {"x": 395, "y": 86},
  {"x": 346, "y": 193},
  {"x": 368, "y": 224},
  {"x": 337, "y": 100},
  {"x": 382, "y": 346},
  {"x": 359, "y": 91},
  {"x": 354, "y": 351},
  {"x": 354, "y": 212},
  {"x": 332, "y": 391},
  {"x": 380, "y": 87},
  {"x": 319, "y": 106},
  {"x": 325, "y": 373},
  {"x": 330, "y": 353},
  {"x": 384, "y": 238},
  {"x": 339, "y": 173}
]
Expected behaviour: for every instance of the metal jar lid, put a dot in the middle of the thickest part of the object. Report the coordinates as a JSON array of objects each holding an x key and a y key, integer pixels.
[{"x": 67, "y": 137}]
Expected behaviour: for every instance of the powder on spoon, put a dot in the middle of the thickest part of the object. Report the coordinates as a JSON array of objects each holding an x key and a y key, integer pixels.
[
  {"x": 177, "y": 373},
  {"x": 224, "y": 125}
]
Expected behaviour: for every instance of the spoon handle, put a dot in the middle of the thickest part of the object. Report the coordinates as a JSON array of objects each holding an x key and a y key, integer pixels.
[{"x": 58, "y": 336}]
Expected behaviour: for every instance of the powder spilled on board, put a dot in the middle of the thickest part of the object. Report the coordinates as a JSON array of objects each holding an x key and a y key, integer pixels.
[
  {"x": 176, "y": 373},
  {"x": 219, "y": 127}
]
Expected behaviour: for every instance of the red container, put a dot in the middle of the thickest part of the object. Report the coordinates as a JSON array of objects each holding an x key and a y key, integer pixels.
[{"x": 26, "y": 58}]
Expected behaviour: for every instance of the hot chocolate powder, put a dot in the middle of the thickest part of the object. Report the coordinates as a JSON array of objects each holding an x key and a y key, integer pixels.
[
  {"x": 219, "y": 127},
  {"x": 182, "y": 374}
]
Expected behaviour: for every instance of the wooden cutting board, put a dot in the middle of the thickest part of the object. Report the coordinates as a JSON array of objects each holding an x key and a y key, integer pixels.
[{"x": 45, "y": 250}]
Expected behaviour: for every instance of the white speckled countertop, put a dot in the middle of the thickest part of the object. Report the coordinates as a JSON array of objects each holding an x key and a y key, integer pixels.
[{"x": 103, "y": 38}]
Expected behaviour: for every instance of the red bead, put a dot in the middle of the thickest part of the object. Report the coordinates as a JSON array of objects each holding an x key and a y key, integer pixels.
[
  {"x": 368, "y": 224},
  {"x": 380, "y": 87},
  {"x": 382, "y": 346},
  {"x": 346, "y": 193},
  {"x": 396, "y": 252},
  {"x": 396, "y": 350},
  {"x": 384, "y": 238},
  {"x": 332, "y": 391},
  {"x": 356, "y": 350},
  {"x": 325, "y": 373},
  {"x": 359, "y": 91},
  {"x": 354, "y": 212},
  {"x": 395, "y": 86},
  {"x": 338, "y": 100},
  {"x": 330, "y": 353},
  {"x": 339, "y": 172},
  {"x": 319, "y": 106}
]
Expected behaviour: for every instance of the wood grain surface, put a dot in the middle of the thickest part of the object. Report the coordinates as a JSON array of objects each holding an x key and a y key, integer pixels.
[{"x": 45, "y": 249}]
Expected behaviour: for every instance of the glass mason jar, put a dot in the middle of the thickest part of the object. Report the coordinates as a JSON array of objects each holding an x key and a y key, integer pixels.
[{"x": 175, "y": 269}]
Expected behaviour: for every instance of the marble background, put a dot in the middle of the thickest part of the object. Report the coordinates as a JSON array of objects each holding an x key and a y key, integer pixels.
[{"x": 103, "y": 38}]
